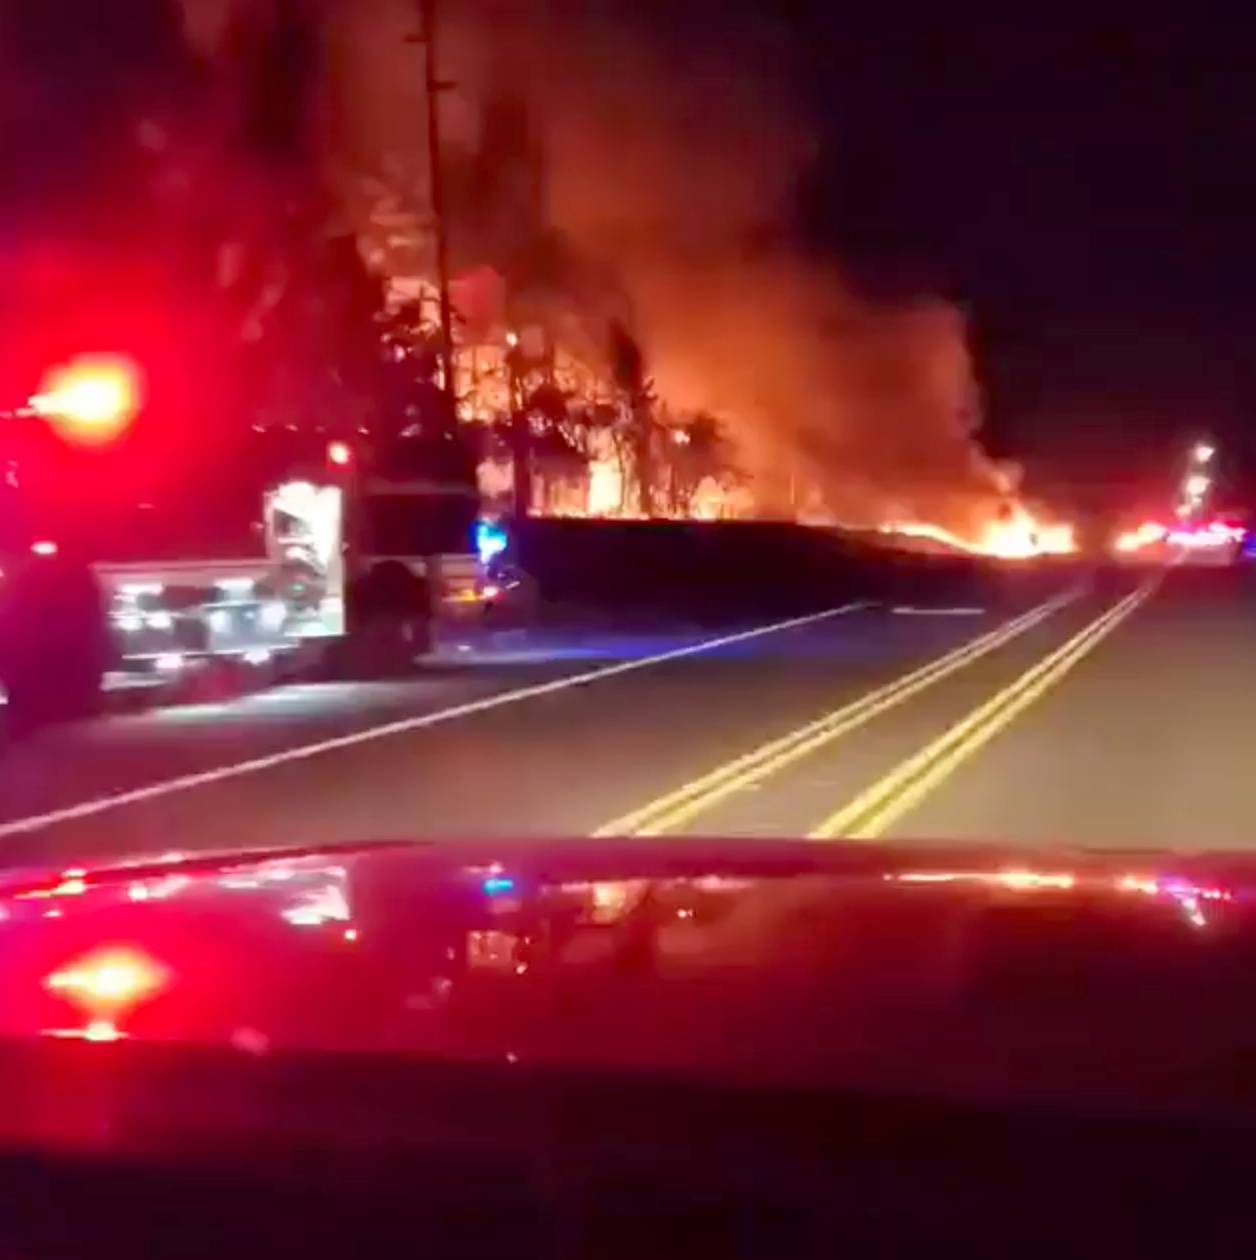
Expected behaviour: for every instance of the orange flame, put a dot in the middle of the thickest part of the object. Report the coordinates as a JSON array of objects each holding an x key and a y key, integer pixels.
[{"x": 1020, "y": 537}]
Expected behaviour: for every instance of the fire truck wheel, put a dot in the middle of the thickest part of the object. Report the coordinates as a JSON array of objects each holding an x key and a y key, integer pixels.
[
  {"x": 392, "y": 615},
  {"x": 56, "y": 645},
  {"x": 43, "y": 692}
]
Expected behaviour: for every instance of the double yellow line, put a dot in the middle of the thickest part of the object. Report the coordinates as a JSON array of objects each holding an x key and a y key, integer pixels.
[
  {"x": 886, "y": 801},
  {"x": 667, "y": 813}
]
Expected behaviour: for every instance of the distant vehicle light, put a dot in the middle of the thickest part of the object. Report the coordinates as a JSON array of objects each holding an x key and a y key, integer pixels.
[
  {"x": 1224, "y": 530},
  {"x": 108, "y": 981},
  {"x": 340, "y": 454},
  {"x": 169, "y": 663},
  {"x": 1202, "y": 537},
  {"x": 490, "y": 592},
  {"x": 44, "y": 547}
]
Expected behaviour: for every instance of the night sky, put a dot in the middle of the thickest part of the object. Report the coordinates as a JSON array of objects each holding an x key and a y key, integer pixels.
[{"x": 1086, "y": 188}]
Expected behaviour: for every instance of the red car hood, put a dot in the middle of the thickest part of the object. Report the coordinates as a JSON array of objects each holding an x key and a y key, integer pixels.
[{"x": 979, "y": 974}]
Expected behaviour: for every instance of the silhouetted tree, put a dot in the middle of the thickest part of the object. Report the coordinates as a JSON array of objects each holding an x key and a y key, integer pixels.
[
  {"x": 693, "y": 451},
  {"x": 628, "y": 371}
]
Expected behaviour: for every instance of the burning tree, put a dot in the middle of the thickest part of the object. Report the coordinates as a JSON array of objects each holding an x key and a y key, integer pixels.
[
  {"x": 322, "y": 345},
  {"x": 697, "y": 464}
]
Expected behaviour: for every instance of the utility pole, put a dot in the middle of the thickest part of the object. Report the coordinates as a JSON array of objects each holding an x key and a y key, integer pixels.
[
  {"x": 520, "y": 433},
  {"x": 432, "y": 88}
]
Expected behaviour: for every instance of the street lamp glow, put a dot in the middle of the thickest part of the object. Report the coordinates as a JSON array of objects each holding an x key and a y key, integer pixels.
[
  {"x": 1197, "y": 485},
  {"x": 1203, "y": 452},
  {"x": 92, "y": 398}
]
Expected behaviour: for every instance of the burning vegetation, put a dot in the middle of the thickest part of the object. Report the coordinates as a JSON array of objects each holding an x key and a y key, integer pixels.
[
  {"x": 640, "y": 186},
  {"x": 638, "y": 331}
]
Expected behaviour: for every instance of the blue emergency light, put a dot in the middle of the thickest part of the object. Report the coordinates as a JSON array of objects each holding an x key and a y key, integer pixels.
[{"x": 491, "y": 539}]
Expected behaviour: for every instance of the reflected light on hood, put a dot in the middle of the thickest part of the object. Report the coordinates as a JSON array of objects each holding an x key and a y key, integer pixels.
[{"x": 108, "y": 981}]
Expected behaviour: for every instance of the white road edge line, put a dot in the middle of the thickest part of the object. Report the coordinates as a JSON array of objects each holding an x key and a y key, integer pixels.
[
  {"x": 910, "y": 610},
  {"x": 183, "y": 782}
]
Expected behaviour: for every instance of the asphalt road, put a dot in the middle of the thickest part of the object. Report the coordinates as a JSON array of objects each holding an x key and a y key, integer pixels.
[{"x": 1106, "y": 711}]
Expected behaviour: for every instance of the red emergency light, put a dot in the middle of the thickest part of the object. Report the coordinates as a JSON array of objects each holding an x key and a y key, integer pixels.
[{"x": 91, "y": 398}]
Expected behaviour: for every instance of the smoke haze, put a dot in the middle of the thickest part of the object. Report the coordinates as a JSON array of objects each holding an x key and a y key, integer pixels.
[{"x": 654, "y": 174}]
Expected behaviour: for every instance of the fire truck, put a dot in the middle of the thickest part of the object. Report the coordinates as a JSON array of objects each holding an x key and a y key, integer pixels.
[
  {"x": 146, "y": 528},
  {"x": 288, "y": 552}
]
